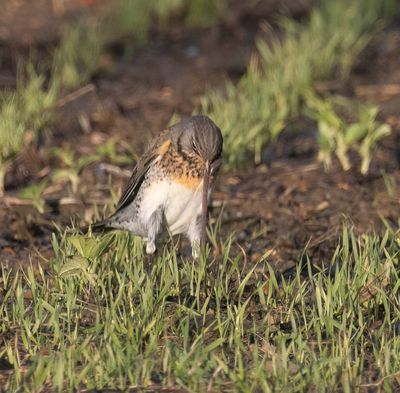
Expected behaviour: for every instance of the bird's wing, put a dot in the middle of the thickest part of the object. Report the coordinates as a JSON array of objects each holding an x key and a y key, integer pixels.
[{"x": 153, "y": 154}]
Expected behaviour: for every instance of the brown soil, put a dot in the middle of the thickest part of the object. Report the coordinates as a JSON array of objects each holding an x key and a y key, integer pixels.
[{"x": 285, "y": 205}]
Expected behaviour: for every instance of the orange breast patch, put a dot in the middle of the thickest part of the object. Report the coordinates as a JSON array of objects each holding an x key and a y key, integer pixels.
[{"x": 187, "y": 181}]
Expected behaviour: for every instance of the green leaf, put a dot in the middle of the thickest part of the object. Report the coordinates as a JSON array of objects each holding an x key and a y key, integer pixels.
[
  {"x": 74, "y": 266},
  {"x": 61, "y": 174},
  {"x": 355, "y": 132},
  {"x": 215, "y": 344},
  {"x": 85, "y": 161},
  {"x": 90, "y": 247}
]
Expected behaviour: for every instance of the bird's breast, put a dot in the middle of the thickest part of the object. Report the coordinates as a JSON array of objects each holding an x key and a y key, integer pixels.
[
  {"x": 175, "y": 184},
  {"x": 184, "y": 204},
  {"x": 179, "y": 198}
]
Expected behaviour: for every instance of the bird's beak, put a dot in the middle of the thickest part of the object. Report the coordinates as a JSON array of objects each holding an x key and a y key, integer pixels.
[
  {"x": 206, "y": 182},
  {"x": 215, "y": 165}
]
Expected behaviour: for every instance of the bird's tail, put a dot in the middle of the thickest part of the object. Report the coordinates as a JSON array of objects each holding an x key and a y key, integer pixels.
[{"x": 100, "y": 226}]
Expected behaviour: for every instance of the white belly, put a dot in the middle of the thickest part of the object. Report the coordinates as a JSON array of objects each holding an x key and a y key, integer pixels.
[{"x": 180, "y": 204}]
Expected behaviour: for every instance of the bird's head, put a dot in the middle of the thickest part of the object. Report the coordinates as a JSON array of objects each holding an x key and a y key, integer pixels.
[{"x": 200, "y": 135}]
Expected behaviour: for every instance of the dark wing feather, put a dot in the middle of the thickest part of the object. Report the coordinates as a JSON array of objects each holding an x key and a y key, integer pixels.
[{"x": 139, "y": 172}]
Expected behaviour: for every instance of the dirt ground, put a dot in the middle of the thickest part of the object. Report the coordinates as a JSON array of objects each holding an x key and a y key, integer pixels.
[{"x": 286, "y": 205}]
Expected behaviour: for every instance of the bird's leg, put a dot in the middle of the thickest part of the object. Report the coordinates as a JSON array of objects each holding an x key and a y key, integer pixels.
[
  {"x": 154, "y": 226},
  {"x": 194, "y": 235}
]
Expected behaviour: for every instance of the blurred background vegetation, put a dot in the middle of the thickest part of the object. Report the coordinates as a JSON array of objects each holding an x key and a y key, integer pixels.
[
  {"x": 277, "y": 87},
  {"x": 77, "y": 57}
]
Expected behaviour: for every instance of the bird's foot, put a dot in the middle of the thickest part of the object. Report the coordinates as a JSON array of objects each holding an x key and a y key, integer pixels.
[{"x": 150, "y": 248}]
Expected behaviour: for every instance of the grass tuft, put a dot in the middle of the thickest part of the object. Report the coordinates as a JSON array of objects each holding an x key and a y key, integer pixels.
[
  {"x": 337, "y": 135},
  {"x": 77, "y": 57},
  {"x": 274, "y": 89},
  {"x": 103, "y": 316},
  {"x": 25, "y": 110}
]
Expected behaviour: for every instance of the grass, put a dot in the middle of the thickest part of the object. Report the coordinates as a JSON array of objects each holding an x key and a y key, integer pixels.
[
  {"x": 24, "y": 110},
  {"x": 72, "y": 166},
  {"x": 34, "y": 193},
  {"x": 102, "y": 315},
  {"x": 340, "y": 136},
  {"x": 132, "y": 19},
  {"x": 77, "y": 57},
  {"x": 275, "y": 88}
]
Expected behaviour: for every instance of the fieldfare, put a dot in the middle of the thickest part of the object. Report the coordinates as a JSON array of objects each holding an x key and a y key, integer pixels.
[{"x": 169, "y": 186}]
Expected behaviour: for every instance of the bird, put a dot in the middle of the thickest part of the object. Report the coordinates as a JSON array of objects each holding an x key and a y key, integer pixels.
[{"x": 169, "y": 188}]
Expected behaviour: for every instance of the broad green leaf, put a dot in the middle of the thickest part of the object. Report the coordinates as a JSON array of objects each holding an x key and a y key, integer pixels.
[
  {"x": 90, "y": 247},
  {"x": 73, "y": 266},
  {"x": 355, "y": 133}
]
